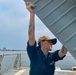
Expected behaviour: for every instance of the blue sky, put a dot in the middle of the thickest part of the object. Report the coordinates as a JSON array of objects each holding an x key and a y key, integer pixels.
[{"x": 14, "y": 22}]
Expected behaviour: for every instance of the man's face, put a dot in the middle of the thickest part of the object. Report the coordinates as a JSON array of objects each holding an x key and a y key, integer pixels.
[{"x": 47, "y": 45}]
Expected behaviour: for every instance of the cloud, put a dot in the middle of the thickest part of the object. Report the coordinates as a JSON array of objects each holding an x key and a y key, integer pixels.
[
  {"x": 14, "y": 22},
  {"x": 11, "y": 15}
]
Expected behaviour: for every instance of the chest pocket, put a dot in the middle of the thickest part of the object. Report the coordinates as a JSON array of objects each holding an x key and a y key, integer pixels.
[{"x": 51, "y": 62}]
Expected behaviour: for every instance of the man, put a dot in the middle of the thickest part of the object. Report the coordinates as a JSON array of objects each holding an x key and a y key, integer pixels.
[{"x": 41, "y": 61}]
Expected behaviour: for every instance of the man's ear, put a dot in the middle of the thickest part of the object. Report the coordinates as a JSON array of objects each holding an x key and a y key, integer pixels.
[{"x": 41, "y": 43}]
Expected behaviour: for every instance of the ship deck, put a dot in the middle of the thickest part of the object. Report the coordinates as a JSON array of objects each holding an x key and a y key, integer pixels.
[{"x": 25, "y": 71}]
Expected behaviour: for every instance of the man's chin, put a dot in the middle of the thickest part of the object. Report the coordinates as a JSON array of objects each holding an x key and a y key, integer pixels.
[{"x": 50, "y": 48}]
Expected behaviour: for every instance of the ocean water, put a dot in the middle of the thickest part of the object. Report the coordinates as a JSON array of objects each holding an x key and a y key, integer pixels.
[{"x": 23, "y": 61}]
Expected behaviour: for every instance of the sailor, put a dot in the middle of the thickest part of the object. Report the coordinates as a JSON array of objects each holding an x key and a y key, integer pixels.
[{"x": 42, "y": 62}]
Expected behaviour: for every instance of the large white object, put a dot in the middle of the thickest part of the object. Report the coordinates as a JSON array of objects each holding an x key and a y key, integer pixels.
[{"x": 59, "y": 16}]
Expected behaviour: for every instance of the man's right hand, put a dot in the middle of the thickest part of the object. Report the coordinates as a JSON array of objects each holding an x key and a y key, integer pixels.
[
  {"x": 29, "y": 6},
  {"x": 31, "y": 30}
]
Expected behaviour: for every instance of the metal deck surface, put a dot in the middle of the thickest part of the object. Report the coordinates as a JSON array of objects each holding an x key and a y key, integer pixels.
[
  {"x": 25, "y": 71},
  {"x": 59, "y": 16}
]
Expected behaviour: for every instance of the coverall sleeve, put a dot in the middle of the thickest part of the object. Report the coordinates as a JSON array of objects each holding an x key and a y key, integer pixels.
[
  {"x": 31, "y": 50},
  {"x": 56, "y": 57}
]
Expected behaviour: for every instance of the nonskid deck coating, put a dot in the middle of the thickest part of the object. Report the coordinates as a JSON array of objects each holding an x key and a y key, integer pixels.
[{"x": 25, "y": 71}]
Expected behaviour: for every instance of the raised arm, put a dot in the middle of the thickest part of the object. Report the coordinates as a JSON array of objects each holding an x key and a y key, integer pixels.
[
  {"x": 62, "y": 52},
  {"x": 31, "y": 30}
]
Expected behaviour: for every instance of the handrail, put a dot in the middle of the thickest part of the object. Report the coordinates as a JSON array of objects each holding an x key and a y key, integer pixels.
[
  {"x": 15, "y": 58},
  {"x": 12, "y": 54}
]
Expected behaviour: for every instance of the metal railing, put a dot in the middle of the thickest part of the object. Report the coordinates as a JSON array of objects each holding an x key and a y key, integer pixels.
[{"x": 13, "y": 60}]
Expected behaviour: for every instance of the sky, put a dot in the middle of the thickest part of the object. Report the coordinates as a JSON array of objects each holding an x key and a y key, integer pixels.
[{"x": 14, "y": 23}]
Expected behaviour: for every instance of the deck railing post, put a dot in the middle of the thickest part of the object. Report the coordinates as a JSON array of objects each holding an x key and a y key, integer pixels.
[{"x": 20, "y": 60}]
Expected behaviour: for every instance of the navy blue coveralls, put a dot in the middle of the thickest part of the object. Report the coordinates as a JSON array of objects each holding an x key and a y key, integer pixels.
[{"x": 39, "y": 64}]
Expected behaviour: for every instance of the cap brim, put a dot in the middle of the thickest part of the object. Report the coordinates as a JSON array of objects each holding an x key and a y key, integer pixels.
[{"x": 54, "y": 41}]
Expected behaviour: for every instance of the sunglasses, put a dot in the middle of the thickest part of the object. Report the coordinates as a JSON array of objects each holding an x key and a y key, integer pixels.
[{"x": 47, "y": 41}]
